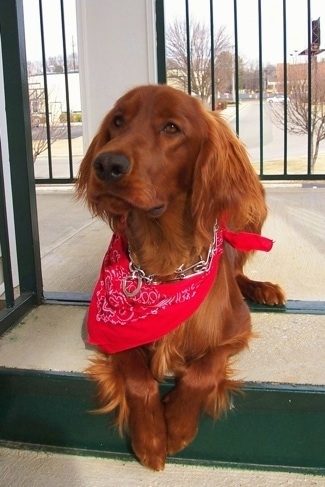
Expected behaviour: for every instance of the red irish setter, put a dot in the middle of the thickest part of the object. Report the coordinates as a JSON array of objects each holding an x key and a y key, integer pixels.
[{"x": 176, "y": 186}]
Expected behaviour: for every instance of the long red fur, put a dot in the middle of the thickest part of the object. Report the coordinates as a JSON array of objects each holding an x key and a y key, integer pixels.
[{"x": 201, "y": 174}]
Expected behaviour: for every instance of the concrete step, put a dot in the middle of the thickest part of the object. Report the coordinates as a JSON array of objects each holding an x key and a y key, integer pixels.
[
  {"x": 288, "y": 349},
  {"x": 21, "y": 468}
]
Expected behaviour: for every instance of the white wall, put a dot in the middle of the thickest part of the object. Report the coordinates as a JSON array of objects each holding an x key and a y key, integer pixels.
[
  {"x": 117, "y": 51},
  {"x": 56, "y": 89}
]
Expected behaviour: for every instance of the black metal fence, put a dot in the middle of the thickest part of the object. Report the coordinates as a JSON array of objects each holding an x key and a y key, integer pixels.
[
  {"x": 262, "y": 64},
  {"x": 244, "y": 58},
  {"x": 55, "y": 119},
  {"x": 19, "y": 240}
]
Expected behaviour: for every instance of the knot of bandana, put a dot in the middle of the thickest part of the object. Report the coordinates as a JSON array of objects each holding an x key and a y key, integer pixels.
[{"x": 120, "y": 320}]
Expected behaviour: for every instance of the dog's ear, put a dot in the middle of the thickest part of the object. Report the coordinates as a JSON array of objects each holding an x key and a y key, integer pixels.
[
  {"x": 85, "y": 168},
  {"x": 84, "y": 176},
  {"x": 225, "y": 184}
]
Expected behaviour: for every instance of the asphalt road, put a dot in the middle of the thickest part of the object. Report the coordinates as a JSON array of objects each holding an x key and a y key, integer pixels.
[
  {"x": 249, "y": 131},
  {"x": 273, "y": 137},
  {"x": 76, "y": 131}
]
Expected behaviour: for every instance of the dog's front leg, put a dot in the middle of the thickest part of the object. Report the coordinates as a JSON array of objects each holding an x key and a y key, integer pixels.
[
  {"x": 204, "y": 386},
  {"x": 146, "y": 421},
  {"x": 126, "y": 386}
]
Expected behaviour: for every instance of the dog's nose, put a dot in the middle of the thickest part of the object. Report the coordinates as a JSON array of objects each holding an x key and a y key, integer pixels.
[{"x": 110, "y": 166}]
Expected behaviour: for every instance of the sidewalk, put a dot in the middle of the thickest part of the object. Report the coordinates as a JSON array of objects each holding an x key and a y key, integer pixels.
[
  {"x": 59, "y": 151},
  {"x": 39, "y": 469},
  {"x": 230, "y": 112},
  {"x": 73, "y": 243}
]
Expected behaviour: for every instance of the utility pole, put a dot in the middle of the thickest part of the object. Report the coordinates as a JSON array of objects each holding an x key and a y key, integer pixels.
[
  {"x": 73, "y": 56},
  {"x": 312, "y": 52},
  {"x": 314, "y": 45}
]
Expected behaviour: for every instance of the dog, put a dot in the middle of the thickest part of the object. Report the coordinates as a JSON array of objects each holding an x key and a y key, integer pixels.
[{"x": 176, "y": 186}]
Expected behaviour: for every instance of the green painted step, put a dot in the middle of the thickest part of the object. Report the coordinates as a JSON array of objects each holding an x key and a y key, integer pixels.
[{"x": 276, "y": 426}]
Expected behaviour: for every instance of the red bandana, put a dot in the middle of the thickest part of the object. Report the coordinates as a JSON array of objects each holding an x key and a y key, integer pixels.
[{"x": 128, "y": 310}]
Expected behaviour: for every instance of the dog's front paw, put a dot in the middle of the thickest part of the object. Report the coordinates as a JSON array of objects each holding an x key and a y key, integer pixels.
[
  {"x": 260, "y": 291},
  {"x": 149, "y": 439},
  {"x": 268, "y": 293},
  {"x": 182, "y": 422},
  {"x": 151, "y": 453}
]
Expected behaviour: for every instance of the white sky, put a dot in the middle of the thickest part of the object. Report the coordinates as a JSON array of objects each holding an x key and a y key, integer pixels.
[
  {"x": 272, "y": 24},
  {"x": 52, "y": 28}
]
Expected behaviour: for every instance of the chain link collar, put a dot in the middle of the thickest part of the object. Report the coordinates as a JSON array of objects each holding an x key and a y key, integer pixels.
[{"x": 137, "y": 274}]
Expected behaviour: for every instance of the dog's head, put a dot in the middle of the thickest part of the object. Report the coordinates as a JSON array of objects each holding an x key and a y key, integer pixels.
[{"x": 157, "y": 144}]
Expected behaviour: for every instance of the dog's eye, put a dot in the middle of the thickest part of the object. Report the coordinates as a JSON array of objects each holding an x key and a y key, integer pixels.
[
  {"x": 118, "y": 121},
  {"x": 171, "y": 128}
]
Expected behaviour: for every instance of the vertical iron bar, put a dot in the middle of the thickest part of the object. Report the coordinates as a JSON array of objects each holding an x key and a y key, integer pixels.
[
  {"x": 260, "y": 84},
  {"x": 236, "y": 65},
  {"x": 67, "y": 97},
  {"x": 20, "y": 148},
  {"x": 309, "y": 76},
  {"x": 46, "y": 93},
  {"x": 4, "y": 242},
  {"x": 213, "y": 94},
  {"x": 188, "y": 48},
  {"x": 161, "y": 45},
  {"x": 285, "y": 81}
]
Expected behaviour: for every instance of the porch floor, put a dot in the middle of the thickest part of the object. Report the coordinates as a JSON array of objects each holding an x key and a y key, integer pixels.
[{"x": 73, "y": 243}]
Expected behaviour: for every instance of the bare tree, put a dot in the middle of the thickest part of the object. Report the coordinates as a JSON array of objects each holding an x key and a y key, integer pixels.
[
  {"x": 200, "y": 57},
  {"x": 302, "y": 116},
  {"x": 55, "y": 64},
  {"x": 37, "y": 103}
]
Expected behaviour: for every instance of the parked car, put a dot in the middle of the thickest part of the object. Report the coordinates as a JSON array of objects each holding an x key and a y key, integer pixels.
[{"x": 277, "y": 99}]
